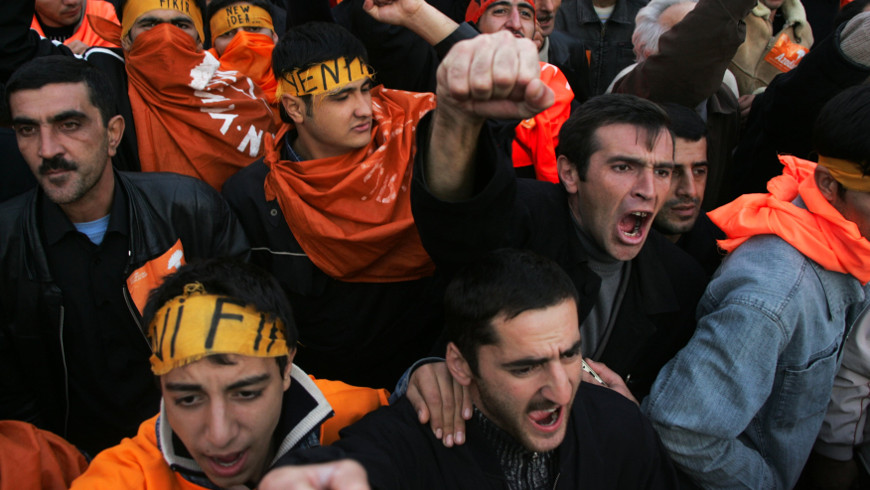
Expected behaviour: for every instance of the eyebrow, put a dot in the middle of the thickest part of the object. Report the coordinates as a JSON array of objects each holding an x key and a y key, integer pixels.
[
  {"x": 180, "y": 18},
  {"x": 63, "y": 116},
  {"x": 368, "y": 83},
  {"x": 242, "y": 383},
  {"x": 638, "y": 161},
  {"x": 537, "y": 361}
]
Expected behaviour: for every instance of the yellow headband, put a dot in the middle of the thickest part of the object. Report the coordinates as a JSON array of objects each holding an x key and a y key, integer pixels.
[
  {"x": 322, "y": 77},
  {"x": 197, "y": 324},
  {"x": 846, "y": 173},
  {"x": 136, "y": 8},
  {"x": 239, "y": 15}
]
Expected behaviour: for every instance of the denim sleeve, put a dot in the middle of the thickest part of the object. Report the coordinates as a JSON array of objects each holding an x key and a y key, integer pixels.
[
  {"x": 706, "y": 396},
  {"x": 402, "y": 385}
]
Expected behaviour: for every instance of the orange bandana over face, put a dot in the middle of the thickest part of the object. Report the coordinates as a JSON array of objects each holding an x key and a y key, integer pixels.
[
  {"x": 251, "y": 54},
  {"x": 192, "y": 115},
  {"x": 352, "y": 213},
  {"x": 820, "y": 232}
]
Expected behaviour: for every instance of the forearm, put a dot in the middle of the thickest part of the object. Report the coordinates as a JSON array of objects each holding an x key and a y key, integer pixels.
[
  {"x": 430, "y": 24},
  {"x": 449, "y": 161}
]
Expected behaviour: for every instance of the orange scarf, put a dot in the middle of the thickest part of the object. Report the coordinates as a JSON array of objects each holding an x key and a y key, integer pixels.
[
  {"x": 352, "y": 213},
  {"x": 535, "y": 139},
  {"x": 820, "y": 232},
  {"x": 192, "y": 115},
  {"x": 251, "y": 54}
]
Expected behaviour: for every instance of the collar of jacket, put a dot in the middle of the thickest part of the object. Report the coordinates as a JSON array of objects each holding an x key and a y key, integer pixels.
[
  {"x": 304, "y": 409},
  {"x": 621, "y": 13}
]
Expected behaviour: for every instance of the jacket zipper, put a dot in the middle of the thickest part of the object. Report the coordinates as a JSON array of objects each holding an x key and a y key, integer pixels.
[
  {"x": 65, "y": 377},
  {"x": 128, "y": 300}
]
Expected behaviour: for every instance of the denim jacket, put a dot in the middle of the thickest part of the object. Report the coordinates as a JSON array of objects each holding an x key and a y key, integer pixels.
[{"x": 741, "y": 404}]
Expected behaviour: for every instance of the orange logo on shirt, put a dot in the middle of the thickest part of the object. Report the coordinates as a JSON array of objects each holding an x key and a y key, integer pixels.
[{"x": 785, "y": 54}]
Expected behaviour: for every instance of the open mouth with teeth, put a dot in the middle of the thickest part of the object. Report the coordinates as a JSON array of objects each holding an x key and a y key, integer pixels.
[
  {"x": 227, "y": 466},
  {"x": 632, "y": 224},
  {"x": 546, "y": 420}
]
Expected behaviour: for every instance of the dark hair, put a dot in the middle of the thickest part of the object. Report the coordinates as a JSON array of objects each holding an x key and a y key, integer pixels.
[
  {"x": 230, "y": 277},
  {"x": 503, "y": 283},
  {"x": 842, "y": 127},
  {"x": 577, "y": 140},
  {"x": 46, "y": 70},
  {"x": 119, "y": 7},
  {"x": 312, "y": 43},
  {"x": 217, "y": 5},
  {"x": 849, "y": 11},
  {"x": 685, "y": 123}
]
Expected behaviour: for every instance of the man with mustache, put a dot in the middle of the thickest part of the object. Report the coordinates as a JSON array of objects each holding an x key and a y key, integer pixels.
[{"x": 80, "y": 253}]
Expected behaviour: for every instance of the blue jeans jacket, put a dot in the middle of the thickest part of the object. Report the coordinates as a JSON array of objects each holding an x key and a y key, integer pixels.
[{"x": 741, "y": 404}]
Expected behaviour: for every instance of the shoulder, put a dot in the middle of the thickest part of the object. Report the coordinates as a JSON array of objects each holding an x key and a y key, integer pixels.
[
  {"x": 167, "y": 186},
  {"x": 246, "y": 181},
  {"x": 608, "y": 421}
]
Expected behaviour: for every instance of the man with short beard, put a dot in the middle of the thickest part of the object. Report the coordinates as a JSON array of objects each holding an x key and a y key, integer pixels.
[{"x": 79, "y": 255}]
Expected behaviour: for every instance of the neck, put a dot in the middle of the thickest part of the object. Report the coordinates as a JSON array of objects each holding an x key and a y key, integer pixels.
[
  {"x": 772, "y": 15},
  {"x": 673, "y": 238},
  {"x": 96, "y": 203},
  {"x": 603, "y": 3}
]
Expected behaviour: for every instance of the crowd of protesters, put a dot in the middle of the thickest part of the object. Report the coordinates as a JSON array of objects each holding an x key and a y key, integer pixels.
[{"x": 435, "y": 244}]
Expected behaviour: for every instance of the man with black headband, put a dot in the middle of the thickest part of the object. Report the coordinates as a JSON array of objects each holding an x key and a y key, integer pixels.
[{"x": 80, "y": 253}]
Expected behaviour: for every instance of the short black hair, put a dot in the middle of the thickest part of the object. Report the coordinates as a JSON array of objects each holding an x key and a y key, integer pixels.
[
  {"x": 217, "y": 5},
  {"x": 577, "y": 141},
  {"x": 502, "y": 283},
  {"x": 842, "y": 127},
  {"x": 46, "y": 70},
  {"x": 685, "y": 122},
  {"x": 119, "y": 7},
  {"x": 228, "y": 277},
  {"x": 311, "y": 43}
]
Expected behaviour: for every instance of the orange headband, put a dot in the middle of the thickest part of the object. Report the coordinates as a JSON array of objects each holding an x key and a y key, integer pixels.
[
  {"x": 239, "y": 15},
  {"x": 322, "y": 77},
  {"x": 137, "y": 8},
  {"x": 846, "y": 173}
]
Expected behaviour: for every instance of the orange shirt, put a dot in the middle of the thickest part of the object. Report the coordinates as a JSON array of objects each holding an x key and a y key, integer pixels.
[{"x": 85, "y": 33}]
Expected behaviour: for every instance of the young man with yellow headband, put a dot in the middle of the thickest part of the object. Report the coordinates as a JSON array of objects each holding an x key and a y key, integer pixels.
[
  {"x": 741, "y": 404},
  {"x": 328, "y": 211},
  {"x": 186, "y": 112},
  {"x": 223, "y": 343},
  {"x": 243, "y": 37}
]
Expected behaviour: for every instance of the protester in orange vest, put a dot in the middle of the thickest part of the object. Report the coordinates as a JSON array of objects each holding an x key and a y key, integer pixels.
[
  {"x": 223, "y": 343},
  {"x": 66, "y": 21},
  {"x": 243, "y": 37},
  {"x": 535, "y": 139}
]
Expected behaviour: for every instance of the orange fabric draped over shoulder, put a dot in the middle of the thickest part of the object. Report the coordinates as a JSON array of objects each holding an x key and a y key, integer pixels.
[
  {"x": 193, "y": 116},
  {"x": 820, "y": 232},
  {"x": 535, "y": 139},
  {"x": 351, "y": 214},
  {"x": 35, "y": 459}
]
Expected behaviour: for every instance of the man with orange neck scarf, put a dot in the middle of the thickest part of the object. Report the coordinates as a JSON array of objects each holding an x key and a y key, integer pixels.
[
  {"x": 741, "y": 404},
  {"x": 328, "y": 211},
  {"x": 190, "y": 114},
  {"x": 243, "y": 37}
]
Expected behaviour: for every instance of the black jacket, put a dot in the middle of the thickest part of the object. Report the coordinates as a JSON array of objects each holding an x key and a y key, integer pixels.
[
  {"x": 365, "y": 334},
  {"x": 608, "y": 444},
  {"x": 657, "y": 315},
  {"x": 163, "y": 208},
  {"x": 569, "y": 55}
]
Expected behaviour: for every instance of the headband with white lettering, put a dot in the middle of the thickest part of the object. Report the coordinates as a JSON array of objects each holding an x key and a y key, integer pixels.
[
  {"x": 136, "y": 8},
  {"x": 847, "y": 173},
  {"x": 197, "y": 324},
  {"x": 239, "y": 15},
  {"x": 322, "y": 77}
]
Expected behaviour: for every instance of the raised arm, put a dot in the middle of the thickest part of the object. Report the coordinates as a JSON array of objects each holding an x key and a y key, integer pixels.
[
  {"x": 489, "y": 76},
  {"x": 416, "y": 15}
]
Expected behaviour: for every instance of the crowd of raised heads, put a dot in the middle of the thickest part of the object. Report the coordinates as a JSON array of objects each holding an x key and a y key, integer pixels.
[{"x": 428, "y": 244}]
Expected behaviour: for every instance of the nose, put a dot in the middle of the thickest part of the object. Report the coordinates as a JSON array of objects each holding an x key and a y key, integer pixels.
[
  {"x": 513, "y": 21},
  {"x": 363, "y": 105},
  {"x": 49, "y": 144},
  {"x": 686, "y": 186},
  {"x": 545, "y": 5},
  {"x": 644, "y": 186},
  {"x": 220, "y": 426},
  {"x": 559, "y": 389}
]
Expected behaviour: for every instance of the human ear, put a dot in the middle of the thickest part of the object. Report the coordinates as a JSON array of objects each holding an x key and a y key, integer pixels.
[
  {"x": 114, "y": 132},
  {"x": 826, "y": 183},
  {"x": 285, "y": 376},
  {"x": 567, "y": 174},
  {"x": 294, "y": 107},
  {"x": 457, "y": 365}
]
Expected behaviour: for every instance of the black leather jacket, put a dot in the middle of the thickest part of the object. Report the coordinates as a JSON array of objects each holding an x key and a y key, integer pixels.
[{"x": 163, "y": 208}]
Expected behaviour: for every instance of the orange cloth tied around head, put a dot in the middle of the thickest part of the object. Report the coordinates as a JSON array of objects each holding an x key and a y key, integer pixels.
[
  {"x": 323, "y": 77},
  {"x": 136, "y": 8},
  {"x": 476, "y": 8},
  {"x": 192, "y": 115},
  {"x": 351, "y": 214},
  {"x": 847, "y": 173},
  {"x": 197, "y": 324},
  {"x": 239, "y": 15},
  {"x": 820, "y": 232}
]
